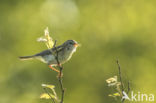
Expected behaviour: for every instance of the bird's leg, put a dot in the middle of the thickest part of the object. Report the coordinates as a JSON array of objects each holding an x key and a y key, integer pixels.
[
  {"x": 59, "y": 65},
  {"x": 51, "y": 67}
]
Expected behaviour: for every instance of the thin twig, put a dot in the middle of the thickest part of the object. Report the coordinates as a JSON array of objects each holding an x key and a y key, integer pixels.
[
  {"x": 62, "y": 88},
  {"x": 49, "y": 95},
  {"x": 122, "y": 86},
  {"x": 60, "y": 73},
  {"x": 120, "y": 77},
  {"x": 128, "y": 87}
]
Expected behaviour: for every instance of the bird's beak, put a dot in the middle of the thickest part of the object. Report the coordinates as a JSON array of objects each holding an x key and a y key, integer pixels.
[{"x": 76, "y": 45}]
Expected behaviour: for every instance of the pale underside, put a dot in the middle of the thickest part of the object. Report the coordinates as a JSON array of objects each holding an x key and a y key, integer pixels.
[{"x": 51, "y": 59}]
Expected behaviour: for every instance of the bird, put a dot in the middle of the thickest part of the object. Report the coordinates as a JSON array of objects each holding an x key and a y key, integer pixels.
[{"x": 55, "y": 56}]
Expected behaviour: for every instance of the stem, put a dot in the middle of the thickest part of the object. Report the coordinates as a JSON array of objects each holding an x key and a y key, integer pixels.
[
  {"x": 122, "y": 86},
  {"x": 62, "y": 88},
  {"x": 120, "y": 77},
  {"x": 60, "y": 74},
  {"x": 128, "y": 87}
]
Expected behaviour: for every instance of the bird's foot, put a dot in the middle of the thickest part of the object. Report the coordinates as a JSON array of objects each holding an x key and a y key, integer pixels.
[{"x": 51, "y": 67}]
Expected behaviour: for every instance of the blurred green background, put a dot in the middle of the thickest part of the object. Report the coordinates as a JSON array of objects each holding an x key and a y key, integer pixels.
[{"x": 106, "y": 30}]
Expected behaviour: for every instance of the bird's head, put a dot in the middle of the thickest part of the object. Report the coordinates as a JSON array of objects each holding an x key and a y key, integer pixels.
[{"x": 70, "y": 44}]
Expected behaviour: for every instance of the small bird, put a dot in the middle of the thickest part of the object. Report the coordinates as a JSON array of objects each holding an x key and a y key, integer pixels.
[{"x": 63, "y": 52}]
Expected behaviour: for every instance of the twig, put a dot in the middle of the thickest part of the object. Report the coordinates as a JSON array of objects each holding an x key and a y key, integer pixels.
[
  {"x": 60, "y": 73},
  {"x": 49, "y": 95},
  {"x": 122, "y": 86},
  {"x": 120, "y": 76},
  {"x": 128, "y": 87},
  {"x": 62, "y": 88}
]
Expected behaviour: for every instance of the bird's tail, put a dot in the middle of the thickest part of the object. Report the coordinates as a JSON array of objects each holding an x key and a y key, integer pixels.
[{"x": 26, "y": 57}]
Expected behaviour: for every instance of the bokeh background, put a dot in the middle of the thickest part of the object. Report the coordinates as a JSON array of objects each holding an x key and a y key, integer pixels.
[{"x": 106, "y": 29}]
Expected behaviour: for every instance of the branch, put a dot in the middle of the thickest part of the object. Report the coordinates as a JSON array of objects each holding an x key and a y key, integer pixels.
[
  {"x": 128, "y": 87},
  {"x": 60, "y": 73},
  {"x": 122, "y": 86},
  {"x": 120, "y": 76}
]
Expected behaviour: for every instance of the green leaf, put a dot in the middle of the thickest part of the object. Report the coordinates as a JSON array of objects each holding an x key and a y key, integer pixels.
[
  {"x": 114, "y": 95},
  {"x": 48, "y": 86},
  {"x": 49, "y": 39},
  {"x": 47, "y": 96},
  {"x": 46, "y": 39}
]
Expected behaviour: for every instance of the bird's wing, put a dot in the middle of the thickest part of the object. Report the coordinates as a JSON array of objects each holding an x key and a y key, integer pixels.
[
  {"x": 48, "y": 52},
  {"x": 43, "y": 53},
  {"x": 58, "y": 48}
]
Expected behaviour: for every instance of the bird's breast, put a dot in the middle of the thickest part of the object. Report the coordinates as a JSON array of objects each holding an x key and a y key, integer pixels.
[{"x": 64, "y": 56}]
